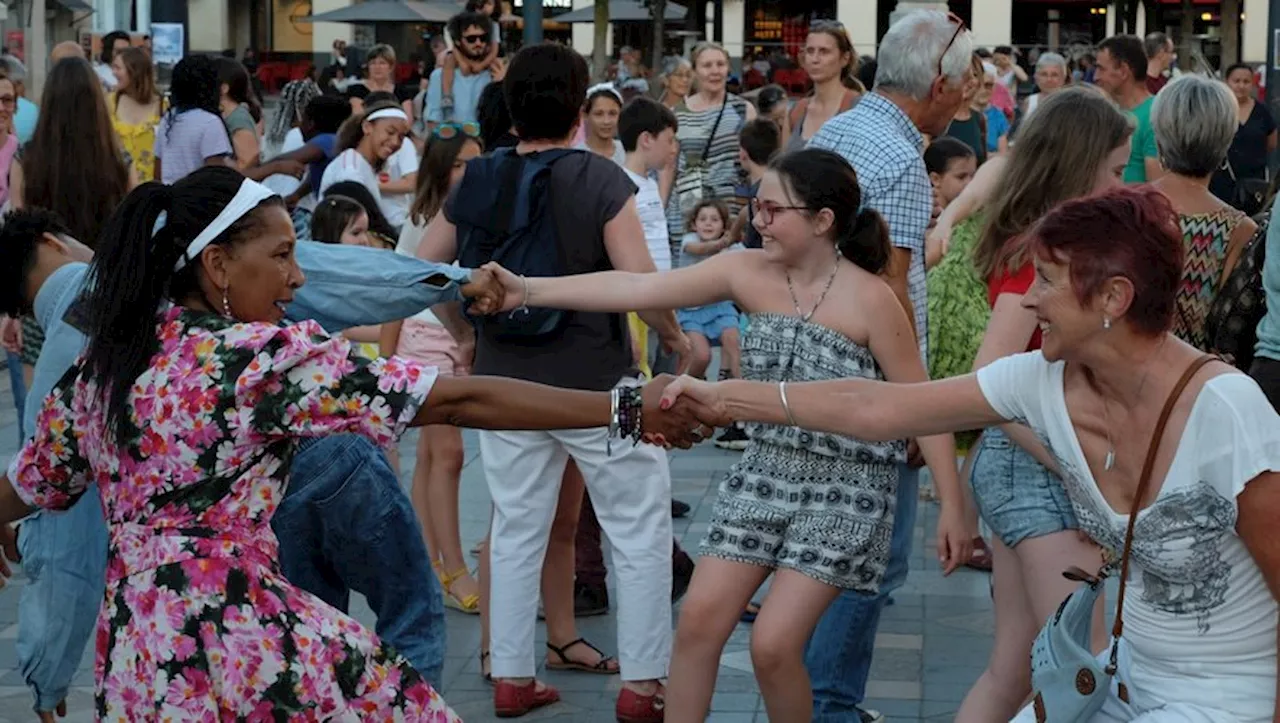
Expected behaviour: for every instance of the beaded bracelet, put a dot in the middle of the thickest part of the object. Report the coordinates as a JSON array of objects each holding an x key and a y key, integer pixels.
[{"x": 625, "y": 416}]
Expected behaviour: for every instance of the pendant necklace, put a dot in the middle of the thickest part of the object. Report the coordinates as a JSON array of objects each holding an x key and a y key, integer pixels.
[{"x": 1110, "y": 461}]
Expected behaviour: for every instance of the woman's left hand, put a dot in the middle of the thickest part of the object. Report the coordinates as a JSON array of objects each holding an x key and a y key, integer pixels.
[{"x": 955, "y": 538}]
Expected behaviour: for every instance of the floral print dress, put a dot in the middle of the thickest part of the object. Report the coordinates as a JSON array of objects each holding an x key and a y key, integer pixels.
[{"x": 198, "y": 622}]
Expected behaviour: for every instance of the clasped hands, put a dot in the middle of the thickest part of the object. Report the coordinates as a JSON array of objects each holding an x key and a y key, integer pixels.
[{"x": 680, "y": 411}]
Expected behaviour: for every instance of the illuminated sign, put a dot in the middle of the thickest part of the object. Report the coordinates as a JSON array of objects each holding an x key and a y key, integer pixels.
[{"x": 558, "y": 4}]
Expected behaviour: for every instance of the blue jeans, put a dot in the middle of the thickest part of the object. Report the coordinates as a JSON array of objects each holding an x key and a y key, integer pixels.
[
  {"x": 838, "y": 655},
  {"x": 344, "y": 524},
  {"x": 19, "y": 387},
  {"x": 64, "y": 557}
]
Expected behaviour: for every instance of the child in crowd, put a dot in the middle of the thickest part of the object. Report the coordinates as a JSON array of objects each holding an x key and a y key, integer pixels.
[
  {"x": 712, "y": 323},
  {"x": 647, "y": 135},
  {"x": 758, "y": 142},
  {"x": 951, "y": 164},
  {"x": 342, "y": 220},
  {"x": 321, "y": 118}
]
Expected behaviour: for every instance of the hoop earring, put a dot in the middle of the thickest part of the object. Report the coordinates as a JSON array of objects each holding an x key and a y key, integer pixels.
[{"x": 226, "y": 303}]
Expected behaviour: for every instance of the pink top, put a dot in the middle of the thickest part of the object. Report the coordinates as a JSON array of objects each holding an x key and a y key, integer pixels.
[{"x": 7, "y": 151}]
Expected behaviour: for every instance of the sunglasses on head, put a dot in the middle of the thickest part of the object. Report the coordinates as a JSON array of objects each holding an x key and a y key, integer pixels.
[
  {"x": 446, "y": 131},
  {"x": 959, "y": 23}
]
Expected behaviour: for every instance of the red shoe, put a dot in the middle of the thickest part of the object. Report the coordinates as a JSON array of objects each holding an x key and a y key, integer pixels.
[
  {"x": 512, "y": 701},
  {"x": 636, "y": 708}
]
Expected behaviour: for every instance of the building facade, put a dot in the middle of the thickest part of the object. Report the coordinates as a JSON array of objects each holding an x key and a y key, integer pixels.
[{"x": 750, "y": 25}]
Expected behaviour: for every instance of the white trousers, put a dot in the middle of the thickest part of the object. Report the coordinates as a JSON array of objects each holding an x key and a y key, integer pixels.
[{"x": 631, "y": 493}]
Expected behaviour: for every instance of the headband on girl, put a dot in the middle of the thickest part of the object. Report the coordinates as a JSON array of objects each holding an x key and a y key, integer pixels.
[
  {"x": 604, "y": 88},
  {"x": 250, "y": 195},
  {"x": 386, "y": 113}
]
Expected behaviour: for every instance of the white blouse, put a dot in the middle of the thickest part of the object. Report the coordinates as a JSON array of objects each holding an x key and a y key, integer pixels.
[{"x": 1200, "y": 620}]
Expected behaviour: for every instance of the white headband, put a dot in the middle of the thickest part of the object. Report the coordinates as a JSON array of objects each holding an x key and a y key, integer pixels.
[
  {"x": 250, "y": 195},
  {"x": 604, "y": 88},
  {"x": 386, "y": 113}
]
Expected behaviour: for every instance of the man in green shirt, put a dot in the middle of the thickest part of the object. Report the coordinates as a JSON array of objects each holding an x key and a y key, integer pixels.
[{"x": 1122, "y": 73}]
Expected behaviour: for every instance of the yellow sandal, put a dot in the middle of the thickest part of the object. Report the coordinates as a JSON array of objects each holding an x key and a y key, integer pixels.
[{"x": 469, "y": 604}]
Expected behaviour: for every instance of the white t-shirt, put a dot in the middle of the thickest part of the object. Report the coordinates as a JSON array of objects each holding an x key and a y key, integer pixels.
[
  {"x": 351, "y": 166},
  {"x": 619, "y": 153},
  {"x": 654, "y": 218},
  {"x": 403, "y": 162},
  {"x": 282, "y": 183},
  {"x": 1200, "y": 621},
  {"x": 688, "y": 259}
]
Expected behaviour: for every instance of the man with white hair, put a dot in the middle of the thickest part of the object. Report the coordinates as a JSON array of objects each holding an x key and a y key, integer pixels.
[{"x": 924, "y": 61}]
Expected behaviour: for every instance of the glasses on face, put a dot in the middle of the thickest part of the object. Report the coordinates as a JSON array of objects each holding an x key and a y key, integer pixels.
[
  {"x": 951, "y": 17},
  {"x": 474, "y": 39},
  {"x": 767, "y": 211},
  {"x": 8, "y": 101},
  {"x": 446, "y": 131}
]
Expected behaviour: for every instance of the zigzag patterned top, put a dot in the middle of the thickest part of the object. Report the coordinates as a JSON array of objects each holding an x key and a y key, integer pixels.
[{"x": 1205, "y": 240}]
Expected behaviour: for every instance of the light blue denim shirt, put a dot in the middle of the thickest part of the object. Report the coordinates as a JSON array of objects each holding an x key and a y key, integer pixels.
[
  {"x": 63, "y": 552},
  {"x": 346, "y": 286},
  {"x": 1269, "y": 327}
]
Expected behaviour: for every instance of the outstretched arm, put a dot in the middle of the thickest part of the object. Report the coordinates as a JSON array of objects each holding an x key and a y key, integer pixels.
[
  {"x": 619, "y": 291},
  {"x": 499, "y": 403},
  {"x": 859, "y": 408}
]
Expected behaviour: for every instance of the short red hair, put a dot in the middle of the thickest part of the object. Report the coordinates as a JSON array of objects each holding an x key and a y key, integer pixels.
[{"x": 1129, "y": 232}]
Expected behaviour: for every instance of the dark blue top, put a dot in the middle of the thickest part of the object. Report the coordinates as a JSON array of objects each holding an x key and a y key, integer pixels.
[{"x": 326, "y": 142}]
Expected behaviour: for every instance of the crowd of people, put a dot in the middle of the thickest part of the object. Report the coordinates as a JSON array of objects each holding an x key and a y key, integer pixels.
[{"x": 220, "y": 323}]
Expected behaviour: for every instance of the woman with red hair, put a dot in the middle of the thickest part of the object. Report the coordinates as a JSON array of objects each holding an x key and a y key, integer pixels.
[{"x": 1199, "y": 640}]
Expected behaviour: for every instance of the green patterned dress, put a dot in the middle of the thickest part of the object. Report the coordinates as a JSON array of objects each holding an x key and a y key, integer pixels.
[{"x": 958, "y": 311}]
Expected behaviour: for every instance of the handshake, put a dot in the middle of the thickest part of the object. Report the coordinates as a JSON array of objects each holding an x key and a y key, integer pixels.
[
  {"x": 676, "y": 411},
  {"x": 681, "y": 411}
]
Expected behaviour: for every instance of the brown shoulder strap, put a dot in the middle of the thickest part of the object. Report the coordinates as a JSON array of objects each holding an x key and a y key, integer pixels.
[
  {"x": 1144, "y": 483},
  {"x": 797, "y": 113}
]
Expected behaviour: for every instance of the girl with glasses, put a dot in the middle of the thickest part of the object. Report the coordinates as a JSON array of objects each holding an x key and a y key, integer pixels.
[{"x": 818, "y": 509}]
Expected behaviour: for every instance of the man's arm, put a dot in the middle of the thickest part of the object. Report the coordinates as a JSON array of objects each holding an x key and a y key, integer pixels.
[
  {"x": 896, "y": 274},
  {"x": 355, "y": 286}
]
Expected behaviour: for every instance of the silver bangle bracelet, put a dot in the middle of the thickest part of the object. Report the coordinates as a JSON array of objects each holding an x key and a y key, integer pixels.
[{"x": 786, "y": 406}]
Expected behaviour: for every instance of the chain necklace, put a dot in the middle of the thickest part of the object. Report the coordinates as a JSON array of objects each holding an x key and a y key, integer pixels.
[
  {"x": 795, "y": 301},
  {"x": 1110, "y": 460}
]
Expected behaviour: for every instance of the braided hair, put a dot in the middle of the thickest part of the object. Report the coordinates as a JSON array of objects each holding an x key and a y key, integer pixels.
[{"x": 293, "y": 100}]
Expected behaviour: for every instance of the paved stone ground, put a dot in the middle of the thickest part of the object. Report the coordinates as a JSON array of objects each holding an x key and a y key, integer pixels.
[{"x": 933, "y": 641}]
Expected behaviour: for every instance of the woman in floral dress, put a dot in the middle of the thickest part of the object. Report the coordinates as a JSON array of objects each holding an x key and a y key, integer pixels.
[{"x": 185, "y": 423}]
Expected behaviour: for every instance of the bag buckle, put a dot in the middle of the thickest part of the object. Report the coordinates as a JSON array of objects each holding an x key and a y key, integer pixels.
[{"x": 1075, "y": 574}]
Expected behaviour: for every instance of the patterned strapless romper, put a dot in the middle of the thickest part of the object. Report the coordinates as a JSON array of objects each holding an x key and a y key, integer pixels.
[{"x": 820, "y": 504}]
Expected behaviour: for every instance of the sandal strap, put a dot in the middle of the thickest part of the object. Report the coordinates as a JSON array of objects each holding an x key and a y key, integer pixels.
[{"x": 562, "y": 651}]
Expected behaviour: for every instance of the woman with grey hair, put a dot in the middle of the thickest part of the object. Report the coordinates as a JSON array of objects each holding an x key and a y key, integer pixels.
[
  {"x": 1194, "y": 120},
  {"x": 1051, "y": 76}
]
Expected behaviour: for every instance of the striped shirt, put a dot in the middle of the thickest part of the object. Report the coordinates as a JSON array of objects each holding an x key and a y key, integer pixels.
[{"x": 887, "y": 151}]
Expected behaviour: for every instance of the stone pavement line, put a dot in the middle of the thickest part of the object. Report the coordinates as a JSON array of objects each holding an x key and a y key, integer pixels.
[{"x": 933, "y": 641}]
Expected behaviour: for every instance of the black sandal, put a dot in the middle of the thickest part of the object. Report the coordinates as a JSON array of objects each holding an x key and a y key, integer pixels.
[
  {"x": 488, "y": 677},
  {"x": 567, "y": 663}
]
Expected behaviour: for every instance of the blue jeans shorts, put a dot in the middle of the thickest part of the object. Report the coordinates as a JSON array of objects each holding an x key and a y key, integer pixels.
[
  {"x": 710, "y": 321},
  {"x": 1017, "y": 497}
]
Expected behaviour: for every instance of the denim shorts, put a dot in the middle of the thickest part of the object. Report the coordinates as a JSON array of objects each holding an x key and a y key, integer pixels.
[
  {"x": 710, "y": 321},
  {"x": 1017, "y": 497}
]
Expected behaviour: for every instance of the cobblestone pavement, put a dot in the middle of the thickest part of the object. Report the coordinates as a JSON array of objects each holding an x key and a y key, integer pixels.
[{"x": 933, "y": 641}]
